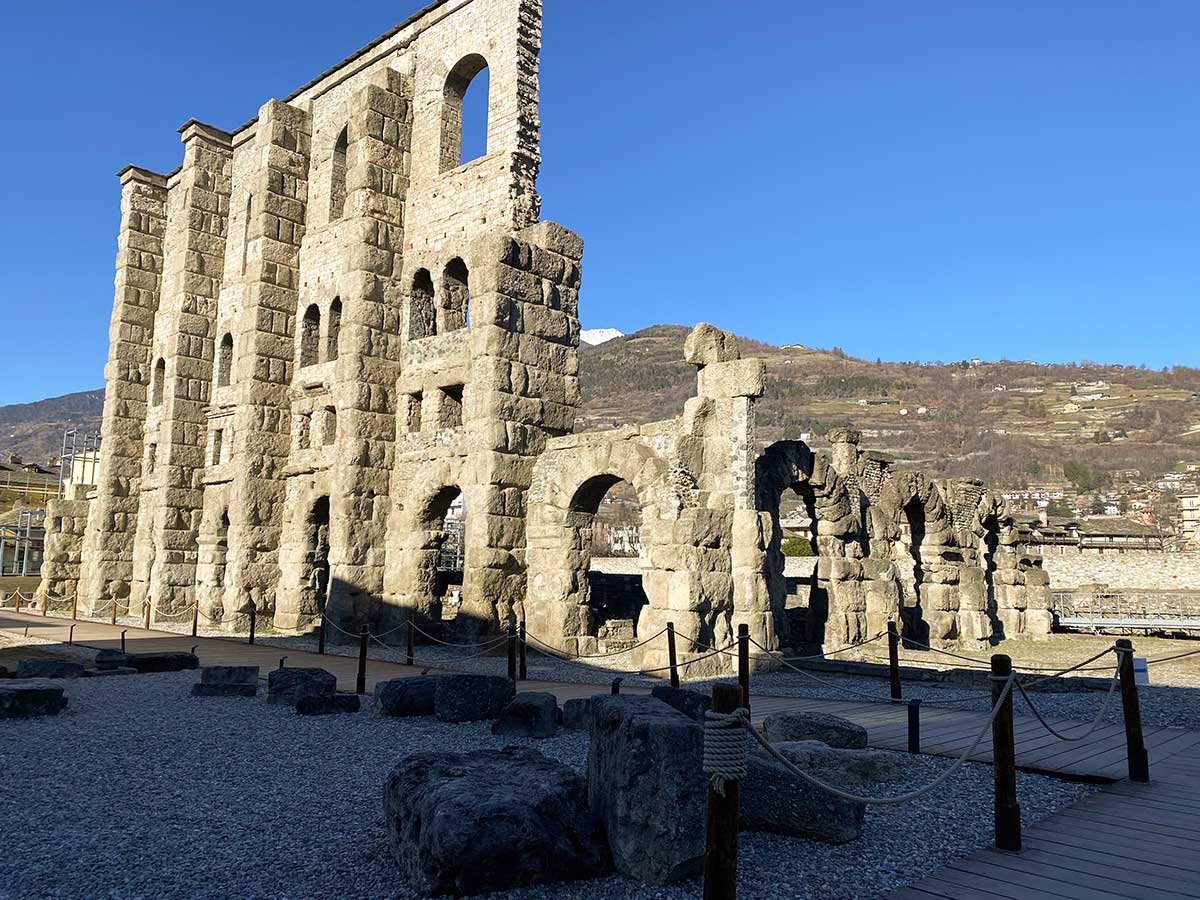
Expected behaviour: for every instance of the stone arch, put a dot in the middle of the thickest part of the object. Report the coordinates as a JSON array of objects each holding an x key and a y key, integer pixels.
[
  {"x": 333, "y": 331},
  {"x": 915, "y": 525},
  {"x": 337, "y": 174},
  {"x": 454, "y": 311},
  {"x": 310, "y": 336},
  {"x": 422, "y": 315},
  {"x": 568, "y": 486},
  {"x": 158, "y": 382},
  {"x": 225, "y": 360},
  {"x": 838, "y": 611},
  {"x": 460, "y": 78}
]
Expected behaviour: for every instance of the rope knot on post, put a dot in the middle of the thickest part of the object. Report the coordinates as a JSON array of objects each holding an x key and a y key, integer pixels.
[{"x": 725, "y": 747}]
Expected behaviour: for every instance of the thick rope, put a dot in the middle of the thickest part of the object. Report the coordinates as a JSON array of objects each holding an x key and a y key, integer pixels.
[
  {"x": 725, "y": 747},
  {"x": 538, "y": 640},
  {"x": 886, "y": 801},
  {"x": 1095, "y": 722}
]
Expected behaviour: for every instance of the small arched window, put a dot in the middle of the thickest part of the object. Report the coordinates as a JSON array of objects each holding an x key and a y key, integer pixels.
[
  {"x": 465, "y": 112},
  {"x": 225, "y": 360},
  {"x": 310, "y": 336},
  {"x": 455, "y": 295},
  {"x": 337, "y": 176},
  {"x": 335, "y": 329},
  {"x": 159, "y": 382},
  {"x": 422, "y": 321}
]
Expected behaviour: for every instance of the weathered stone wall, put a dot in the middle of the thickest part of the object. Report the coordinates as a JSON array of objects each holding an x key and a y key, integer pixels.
[
  {"x": 1133, "y": 570},
  {"x": 66, "y": 522}
]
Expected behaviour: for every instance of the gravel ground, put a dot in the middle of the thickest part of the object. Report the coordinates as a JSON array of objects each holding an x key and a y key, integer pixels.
[{"x": 140, "y": 791}]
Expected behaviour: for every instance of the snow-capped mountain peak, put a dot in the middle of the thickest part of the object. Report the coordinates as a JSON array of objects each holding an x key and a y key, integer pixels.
[{"x": 594, "y": 336}]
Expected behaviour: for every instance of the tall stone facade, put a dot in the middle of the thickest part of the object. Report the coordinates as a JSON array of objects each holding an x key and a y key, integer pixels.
[{"x": 329, "y": 335}]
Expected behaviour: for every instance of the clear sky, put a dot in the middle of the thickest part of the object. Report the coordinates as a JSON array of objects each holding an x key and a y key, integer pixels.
[{"x": 920, "y": 180}]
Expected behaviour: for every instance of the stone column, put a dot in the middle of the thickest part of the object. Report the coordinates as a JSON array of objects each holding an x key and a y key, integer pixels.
[
  {"x": 265, "y": 333},
  {"x": 193, "y": 283},
  {"x": 108, "y": 544}
]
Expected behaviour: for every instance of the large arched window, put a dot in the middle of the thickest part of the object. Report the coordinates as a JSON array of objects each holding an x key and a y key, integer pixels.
[
  {"x": 335, "y": 329},
  {"x": 225, "y": 360},
  {"x": 310, "y": 336},
  {"x": 337, "y": 176},
  {"x": 422, "y": 320},
  {"x": 159, "y": 382},
  {"x": 464, "y": 112},
  {"x": 454, "y": 295}
]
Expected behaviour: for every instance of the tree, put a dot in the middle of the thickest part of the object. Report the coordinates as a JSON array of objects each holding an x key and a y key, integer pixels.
[{"x": 1059, "y": 509}]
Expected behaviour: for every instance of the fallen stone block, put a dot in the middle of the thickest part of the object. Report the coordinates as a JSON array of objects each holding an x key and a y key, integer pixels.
[
  {"x": 470, "y": 698},
  {"x": 111, "y": 659},
  {"x": 577, "y": 714},
  {"x": 119, "y": 670},
  {"x": 773, "y": 799},
  {"x": 323, "y": 704},
  {"x": 406, "y": 696},
  {"x": 289, "y": 684},
  {"x": 25, "y": 700},
  {"x": 646, "y": 784},
  {"x": 692, "y": 704},
  {"x": 227, "y": 681},
  {"x": 841, "y": 766},
  {"x": 810, "y": 726},
  {"x": 165, "y": 661},
  {"x": 529, "y": 714},
  {"x": 49, "y": 668},
  {"x": 470, "y": 823}
]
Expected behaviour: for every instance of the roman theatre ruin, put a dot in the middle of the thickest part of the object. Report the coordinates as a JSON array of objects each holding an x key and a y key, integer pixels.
[{"x": 343, "y": 379}]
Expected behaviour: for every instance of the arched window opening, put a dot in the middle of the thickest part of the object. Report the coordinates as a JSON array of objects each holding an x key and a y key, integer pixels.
[
  {"x": 316, "y": 556},
  {"x": 606, "y": 515},
  {"x": 225, "y": 360},
  {"x": 446, "y": 519},
  {"x": 455, "y": 296},
  {"x": 159, "y": 382},
  {"x": 335, "y": 329},
  {"x": 422, "y": 322},
  {"x": 465, "y": 112},
  {"x": 337, "y": 176},
  {"x": 310, "y": 336}
]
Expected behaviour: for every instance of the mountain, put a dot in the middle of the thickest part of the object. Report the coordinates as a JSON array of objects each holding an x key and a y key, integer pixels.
[
  {"x": 1011, "y": 423},
  {"x": 34, "y": 431},
  {"x": 595, "y": 336}
]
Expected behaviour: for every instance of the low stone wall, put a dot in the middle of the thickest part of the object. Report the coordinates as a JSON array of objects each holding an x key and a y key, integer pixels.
[{"x": 1134, "y": 569}]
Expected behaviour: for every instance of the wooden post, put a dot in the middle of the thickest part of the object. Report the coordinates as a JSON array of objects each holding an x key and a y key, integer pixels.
[
  {"x": 408, "y": 656},
  {"x": 321, "y": 637},
  {"x": 1004, "y": 760},
  {"x": 18, "y": 596},
  {"x": 914, "y": 725},
  {"x": 1138, "y": 759},
  {"x": 195, "y": 617},
  {"x": 744, "y": 664},
  {"x": 114, "y": 611},
  {"x": 616, "y": 686},
  {"x": 75, "y": 607},
  {"x": 523, "y": 673},
  {"x": 721, "y": 840},
  {"x": 123, "y": 630},
  {"x": 71, "y": 634},
  {"x": 146, "y": 623},
  {"x": 253, "y": 623},
  {"x": 512, "y": 653},
  {"x": 671, "y": 655},
  {"x": 894, "y": 659},
  {"x": 360, "y": 685},
  {"x": 45, "y": 604}
]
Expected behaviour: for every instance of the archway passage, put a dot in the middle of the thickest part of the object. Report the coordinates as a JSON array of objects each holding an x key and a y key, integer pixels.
[
  {"x": 793, "y": 555},
  {"x": 316, "y": 559},
  {"x": 989, "y": 547},
  {"x": 450, "y": 519},
  {"x": 911, "y": 568},
  {"x": 608, "y": 514}
]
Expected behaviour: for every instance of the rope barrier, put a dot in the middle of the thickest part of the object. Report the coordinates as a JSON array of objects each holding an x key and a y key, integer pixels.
[
  {"x": 744, "y": 720},
  {"x": 551, "y": 647},
  {"x": 724, "y": 747},
  {"x": 1095, "y": 722},
  {"x": 1163, "y": 659}
]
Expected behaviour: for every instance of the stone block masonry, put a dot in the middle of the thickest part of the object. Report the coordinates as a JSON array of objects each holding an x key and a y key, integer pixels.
[{"x": 343, "y": 382}]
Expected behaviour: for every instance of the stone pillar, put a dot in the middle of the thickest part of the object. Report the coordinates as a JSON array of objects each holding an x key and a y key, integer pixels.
[
  {"x": 192, "y": 284},
  {"x": 265, "y": 333},
  {"x": 108, "y": 544},
  {"x": 844, "y": 453},
  {"x": 66, "y": 522}
]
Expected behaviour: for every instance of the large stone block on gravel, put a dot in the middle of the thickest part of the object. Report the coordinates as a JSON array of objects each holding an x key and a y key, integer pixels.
[
  {"x": 577, "y": 714},
  {"x": 162, "y": 662},
  {"x": 839, "y": 765},
  {"x": 773, "y": 799},
  {"x": 470, "y": 823},
  {"x": 692, "y": 704},
  {"x": 646, "y": 784},
  {"x": 529, "y": 714},
  {"x": 289, "y": 684},
  {"x": 470, "y": 698},
  {"x": 22, "y": 700},
  {"x": 810, "y": 726},
  {"x": 108, "y": 659},
  {"x": 227, "y": 681},
  {"x": 49, "y": 668},
  {"x": 406, "y": 696},
  {"x": 325, "y": 704}
]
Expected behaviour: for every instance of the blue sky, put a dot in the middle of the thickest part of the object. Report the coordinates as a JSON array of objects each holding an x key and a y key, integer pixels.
[{"x": 923, "y": 180}]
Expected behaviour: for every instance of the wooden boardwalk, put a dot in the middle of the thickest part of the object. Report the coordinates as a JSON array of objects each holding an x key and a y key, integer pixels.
[
  {"x": 1127, "y": 840},
  {"x": 944, "y": 731}
]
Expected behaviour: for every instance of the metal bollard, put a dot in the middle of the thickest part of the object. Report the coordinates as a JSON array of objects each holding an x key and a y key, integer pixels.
[
  {"x": 195, "y": 618},
  {"x": 71, "y": 634},
  {"x": 616, "y": 685},
  {"x": 408, "y": 655},
  {"x": 671, "y": 659},
  {"x": 914, "y": 725},
  {"x": 123, "y": 639},
  {"x": 253, "y": 622},
  {"x": 893, "y": 634},
  {"x": 282, "y": 659},
  {"x": 75, "y": 608}
]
